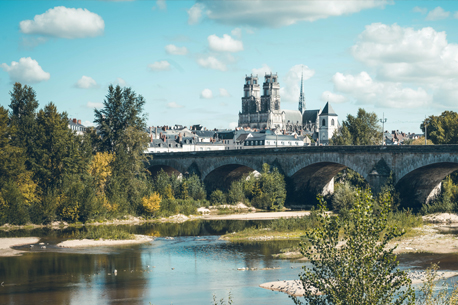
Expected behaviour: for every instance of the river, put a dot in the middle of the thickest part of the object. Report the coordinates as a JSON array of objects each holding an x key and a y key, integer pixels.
[{"x": 185, "y": 264}]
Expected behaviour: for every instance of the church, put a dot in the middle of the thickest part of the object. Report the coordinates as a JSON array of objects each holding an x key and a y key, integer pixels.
[{"x": 263, "y": 111}]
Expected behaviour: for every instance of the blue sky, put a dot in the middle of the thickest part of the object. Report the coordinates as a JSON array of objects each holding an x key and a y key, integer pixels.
[{"x": 189, "y": 59}]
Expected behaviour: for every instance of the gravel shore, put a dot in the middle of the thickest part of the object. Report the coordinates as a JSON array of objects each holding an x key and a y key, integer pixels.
[
  {"x": 7, "y": 243},
  {"x": 77, "y": 243}
]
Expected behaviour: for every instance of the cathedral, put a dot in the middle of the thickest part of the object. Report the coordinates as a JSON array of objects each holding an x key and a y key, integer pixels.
[{"x": 264, "y": 111}]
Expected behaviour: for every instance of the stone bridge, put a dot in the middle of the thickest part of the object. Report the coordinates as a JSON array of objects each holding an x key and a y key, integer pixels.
[{"x": 417, "y": 170}]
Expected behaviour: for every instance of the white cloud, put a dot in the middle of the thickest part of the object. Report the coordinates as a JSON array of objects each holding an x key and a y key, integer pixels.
[
  {"x": 421, "y": 10},
  {"x": 27, "y": 70},
  {"x": 280, "y": 13},
  {"x": 92, "y": 105},
  {"x": 437, "y": 14},
  {"x": 86, "y": 82},
  {"x": 365, "y": 90},
  {"x": 265, "y": 69},
  {"x": 407, "y": 55},
  {"x": 328, "y": 96},
  {"x": 88, "y": 124},
  {"x": 195, "y": 13},
  {"x": 162, "y": 65},
  {"x": 211, "y": 63},
  {"x": 224, "y": 44},
  {"x": 233, "y": 125},
  {"x": 206, "y": 94},
  {"x": 65, "y": 22},
  {"x": 174, "y": 50},
  {"x": 174, "y": 105},
  {"x": 119, "y": 81},
  {"x": 455, "y": 15},
  {"x": 223, "y": 92},
  {"x": 291, "y": 82},
  {"x": 237, "y": 32},
  {"x": 161, "y": 4}
]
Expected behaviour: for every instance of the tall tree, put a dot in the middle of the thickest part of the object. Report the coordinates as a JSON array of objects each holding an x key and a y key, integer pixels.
[
  {"x": 23, "y": 107},
  {"x": 122, "y": 109},
  {"x": 122, "y": 123},
  {"x": 360, "y": 130},
  {"x": 442, "y": 129}
]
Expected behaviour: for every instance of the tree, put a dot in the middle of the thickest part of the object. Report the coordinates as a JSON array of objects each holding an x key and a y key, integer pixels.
[
  {"x": 152, "y": 203},
  {"x": 269, "y": 190},
  {"x": 217, "y": 197},
  {"x": 360, "y": 130},
  {"x": 122, "y": 108},
  {"x": 442, "y": 129},
  {"x": 356, "y": 268},
  {"x": 23, "y": 107}
]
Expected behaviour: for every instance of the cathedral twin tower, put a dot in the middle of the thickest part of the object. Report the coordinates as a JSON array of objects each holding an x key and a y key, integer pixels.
[{"x": 264, "y": 111}]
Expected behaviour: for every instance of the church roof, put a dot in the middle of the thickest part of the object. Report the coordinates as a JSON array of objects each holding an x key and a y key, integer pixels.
[
  {"x": 327, "y": 110},
  {"x": 293, "y": 116},
  {"x": 310, "y": 115}
]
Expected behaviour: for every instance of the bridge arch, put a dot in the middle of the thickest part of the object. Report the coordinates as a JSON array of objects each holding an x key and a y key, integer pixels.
[
  {"x": 422, "y": 184},
  {"x": 311, "y": 177},
  {"x": 155, "y": 169},
  {"x": 221, "y": 176}
]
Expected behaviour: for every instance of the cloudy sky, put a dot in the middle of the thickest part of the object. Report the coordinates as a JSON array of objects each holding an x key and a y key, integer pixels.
[{"x": 189, "y": 58}]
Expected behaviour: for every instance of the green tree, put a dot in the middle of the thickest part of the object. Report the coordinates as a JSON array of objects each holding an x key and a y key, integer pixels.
[
  {"x": 269, "y": 191},
  {"x": 442, "y": 129},
  {"x": 23, "y": 107},
  {"x": 360, "y": 130},
  {"x": 356, "y": 267},
  {"x": 122, "y": 108},
  {"x": 217, "y": 197}
]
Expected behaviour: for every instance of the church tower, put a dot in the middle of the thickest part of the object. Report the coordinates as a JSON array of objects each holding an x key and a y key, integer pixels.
[
  {"x": 251, "y": 102},
  {"x": 270, "y": 99},
  {"x": 328, "y": 123},
  {"x": 301, "y": 107}
]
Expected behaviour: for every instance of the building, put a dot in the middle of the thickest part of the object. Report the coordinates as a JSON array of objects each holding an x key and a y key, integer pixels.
[
  {"x": 76, "y": 126},
  {"x": 263, "y": 111}
]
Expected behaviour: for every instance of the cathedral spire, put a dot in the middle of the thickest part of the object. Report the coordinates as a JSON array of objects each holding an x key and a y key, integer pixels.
[{"x": 302, "y": 97}]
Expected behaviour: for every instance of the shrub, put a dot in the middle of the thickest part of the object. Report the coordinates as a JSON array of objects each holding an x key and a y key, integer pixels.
[
  {"x": 217, "y": 197},
  {"x": 355, "y": 268},
  {"x": 152, "y": 203}
]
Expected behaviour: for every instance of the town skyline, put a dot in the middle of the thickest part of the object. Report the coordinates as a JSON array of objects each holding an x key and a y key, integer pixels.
[{"x": 189, "y": 59}]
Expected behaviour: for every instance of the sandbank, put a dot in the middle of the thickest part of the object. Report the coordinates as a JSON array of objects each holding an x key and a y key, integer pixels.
[
  {"x": 76, "y": 243},
  {"x": 7, "y": 243},
  {"x": 295, "y": 288},
  {"x": 257, "y": 216}
]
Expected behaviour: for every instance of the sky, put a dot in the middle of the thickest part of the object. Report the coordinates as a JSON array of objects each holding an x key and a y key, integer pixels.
[{"x": 188, "y": 59}]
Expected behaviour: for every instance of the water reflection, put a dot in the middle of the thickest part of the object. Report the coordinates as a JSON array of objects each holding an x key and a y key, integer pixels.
[{"x": 187, "y": 269}]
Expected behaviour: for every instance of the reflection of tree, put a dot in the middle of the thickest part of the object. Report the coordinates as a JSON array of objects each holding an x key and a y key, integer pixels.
[{"x": 29, "y": 276}]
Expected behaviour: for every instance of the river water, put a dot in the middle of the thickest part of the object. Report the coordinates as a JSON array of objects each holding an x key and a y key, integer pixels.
[{"x": 188, "y": 269}]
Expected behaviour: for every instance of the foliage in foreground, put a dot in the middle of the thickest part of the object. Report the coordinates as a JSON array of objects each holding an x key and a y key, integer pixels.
[{"x": 355, "y": 268}]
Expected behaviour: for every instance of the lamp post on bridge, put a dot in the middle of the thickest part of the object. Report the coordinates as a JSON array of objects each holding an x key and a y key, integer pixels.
[{"x": 383, "y": 121}]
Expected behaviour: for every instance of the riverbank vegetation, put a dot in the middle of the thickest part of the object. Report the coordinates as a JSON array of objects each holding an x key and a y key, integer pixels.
[{"x": 52, "y": 173}]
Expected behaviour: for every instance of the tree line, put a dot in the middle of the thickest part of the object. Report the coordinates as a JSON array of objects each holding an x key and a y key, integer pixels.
[{"x": 48, "y": 172}]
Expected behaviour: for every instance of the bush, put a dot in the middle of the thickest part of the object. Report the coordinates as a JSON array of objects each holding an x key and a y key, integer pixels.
[
  {"x": 343, "y": 197},
  {"x": 217, "y": 197},
  {"x": 152, "y": 203},
  {"x": 355, "y": 267},
  {"x": 236, "y": 193}
]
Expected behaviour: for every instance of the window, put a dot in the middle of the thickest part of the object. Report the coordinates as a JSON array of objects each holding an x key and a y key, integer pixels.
[
  {"x": 332, "y": 122},
  {"x": 255, "y": 82},
  {"x": 323, "y": 122}
]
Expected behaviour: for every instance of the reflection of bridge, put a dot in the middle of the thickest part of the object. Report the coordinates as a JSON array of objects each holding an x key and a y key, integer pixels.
[{"x": 417, "y": 170}]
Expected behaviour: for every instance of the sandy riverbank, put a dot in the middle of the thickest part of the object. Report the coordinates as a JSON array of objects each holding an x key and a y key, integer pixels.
[
  {"x": 257, "y": 216},
  {"x": 76, "y": 243},
  {"x": 294, "y": 287},
  {"x": 7, "y": 243}
]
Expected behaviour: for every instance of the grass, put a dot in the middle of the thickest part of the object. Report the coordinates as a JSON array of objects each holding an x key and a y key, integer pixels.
[
  {"x": 294, "y": 228},
  {"x": 103, "y": 232}
]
